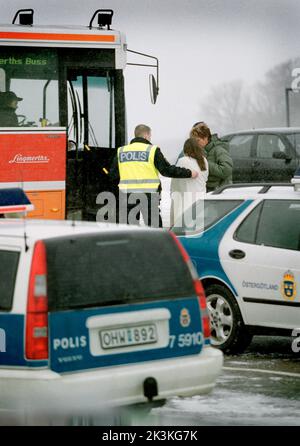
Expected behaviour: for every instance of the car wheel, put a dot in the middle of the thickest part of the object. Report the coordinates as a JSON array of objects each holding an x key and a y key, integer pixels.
[{"x": 228, "y": 331}]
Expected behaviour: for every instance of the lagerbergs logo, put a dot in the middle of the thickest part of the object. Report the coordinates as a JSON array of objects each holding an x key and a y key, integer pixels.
[{"x": 20, "y": 159}]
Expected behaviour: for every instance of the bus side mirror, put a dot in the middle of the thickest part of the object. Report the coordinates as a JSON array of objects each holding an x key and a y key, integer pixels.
[
  {"x": 153, "y": 88},
  {"x": 152, "y": 81}
]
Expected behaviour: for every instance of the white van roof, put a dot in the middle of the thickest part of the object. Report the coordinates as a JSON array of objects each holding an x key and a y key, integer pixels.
[{"x": 45, "y": 229}]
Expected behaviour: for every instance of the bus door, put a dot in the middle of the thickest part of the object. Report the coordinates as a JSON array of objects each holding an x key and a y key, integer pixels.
[
  {"x": 92, "y": 138},
  {"x": 32, "y": 141}
]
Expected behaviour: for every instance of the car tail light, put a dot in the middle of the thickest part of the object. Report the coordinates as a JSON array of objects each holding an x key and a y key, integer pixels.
[
  {"x": 37, "y": 306},
  {"x": 204, "y": 312},
  {"x": 198, "y": 289}
]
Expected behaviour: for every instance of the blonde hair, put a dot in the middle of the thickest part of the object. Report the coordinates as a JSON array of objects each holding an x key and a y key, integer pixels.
[{"x": 200, "y": 131}]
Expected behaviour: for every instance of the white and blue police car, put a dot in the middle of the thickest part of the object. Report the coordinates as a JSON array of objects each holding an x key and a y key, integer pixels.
[
  {"x": 98, "y": 315},
  {"x": 244, "y": 240}
]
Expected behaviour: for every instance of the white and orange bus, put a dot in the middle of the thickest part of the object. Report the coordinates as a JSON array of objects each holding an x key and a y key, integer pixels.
[{"x": 72, "y": 113}]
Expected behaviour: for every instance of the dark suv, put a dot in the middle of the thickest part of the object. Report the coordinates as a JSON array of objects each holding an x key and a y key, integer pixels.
[{"x": 261, "y": 155}]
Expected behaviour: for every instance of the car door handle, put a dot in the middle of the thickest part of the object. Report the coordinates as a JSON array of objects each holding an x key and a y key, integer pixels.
[{"x": 237, "y": 254}]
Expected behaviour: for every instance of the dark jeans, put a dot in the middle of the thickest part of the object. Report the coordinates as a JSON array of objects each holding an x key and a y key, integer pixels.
[{"x": 132, "y": 205}]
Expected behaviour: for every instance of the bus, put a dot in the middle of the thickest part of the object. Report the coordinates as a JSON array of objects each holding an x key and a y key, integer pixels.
[{"x": 71, "y": 112}]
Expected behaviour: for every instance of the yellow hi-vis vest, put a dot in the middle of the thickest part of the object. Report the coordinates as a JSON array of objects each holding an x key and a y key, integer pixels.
[{"x": 136, "y": 167}]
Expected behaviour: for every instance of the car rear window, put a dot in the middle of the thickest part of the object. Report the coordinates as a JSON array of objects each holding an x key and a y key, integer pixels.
[
  {"x": 9, "y": 261},
  {"x": 273, "y": 223},
  {"x": 114, "y": 268},
  {"x": 279, "y": 224}
]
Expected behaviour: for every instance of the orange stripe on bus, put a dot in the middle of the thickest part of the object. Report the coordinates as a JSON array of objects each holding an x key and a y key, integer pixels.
[{"x": 50, "y": 36}]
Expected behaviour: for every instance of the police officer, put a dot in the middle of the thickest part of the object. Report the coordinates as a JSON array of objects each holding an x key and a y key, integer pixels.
[{"x": 137, "y": 167}]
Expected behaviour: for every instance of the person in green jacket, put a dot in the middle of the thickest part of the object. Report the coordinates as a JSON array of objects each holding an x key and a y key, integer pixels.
[{"x": 217, "y": 153}]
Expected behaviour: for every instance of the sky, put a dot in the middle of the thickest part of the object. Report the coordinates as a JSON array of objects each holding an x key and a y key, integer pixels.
[{"x": 199, "y": 44}]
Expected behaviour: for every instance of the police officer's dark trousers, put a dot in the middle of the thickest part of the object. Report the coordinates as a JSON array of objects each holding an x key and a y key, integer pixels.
[{"x": 132, "y": 205}]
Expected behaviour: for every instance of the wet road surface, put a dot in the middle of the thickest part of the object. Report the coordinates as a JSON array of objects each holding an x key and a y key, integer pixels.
[{"x": 258, "y": 388}]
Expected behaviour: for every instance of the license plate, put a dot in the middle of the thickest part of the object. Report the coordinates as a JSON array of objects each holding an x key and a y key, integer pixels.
[{"x": 125, "y": 337}]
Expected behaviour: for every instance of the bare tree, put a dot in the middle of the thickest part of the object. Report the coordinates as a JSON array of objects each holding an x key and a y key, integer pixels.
[
  {"x": 224, "y": 105},
  {"x": 234, "y": 106}
]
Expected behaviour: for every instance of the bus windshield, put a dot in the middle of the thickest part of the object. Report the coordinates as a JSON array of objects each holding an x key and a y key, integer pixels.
[{"x": 31, "y": 77}]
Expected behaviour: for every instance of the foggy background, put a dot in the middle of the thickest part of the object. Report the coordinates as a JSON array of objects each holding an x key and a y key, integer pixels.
[{"x": 226, "y": 62}]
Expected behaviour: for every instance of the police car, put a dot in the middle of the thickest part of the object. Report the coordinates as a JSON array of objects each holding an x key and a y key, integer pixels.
[
  {"x": 96, "y": 315},
  {"x": 244, "y": 241}
]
